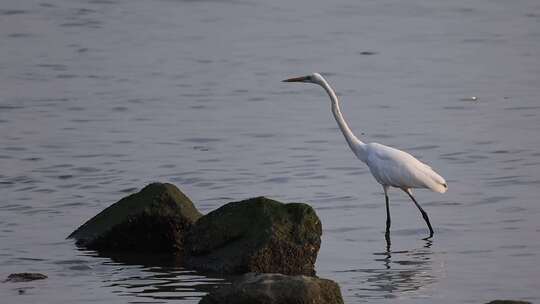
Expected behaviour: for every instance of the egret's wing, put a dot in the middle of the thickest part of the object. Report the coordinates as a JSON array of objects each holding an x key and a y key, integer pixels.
[{"x": 396, "y": 168}]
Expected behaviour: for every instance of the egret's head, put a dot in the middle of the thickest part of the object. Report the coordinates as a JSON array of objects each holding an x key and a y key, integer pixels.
[{"x": 313, "y": 78}]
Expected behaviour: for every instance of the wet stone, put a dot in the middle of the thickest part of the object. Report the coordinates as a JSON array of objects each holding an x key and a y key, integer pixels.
[
  {"x": 256, "y": 235},
  {"x": 25, "y": 277},
  {"x": 508, "y": 302},
  {"x": 154, "y": 220},
  {"x": 272, "y": 288}
]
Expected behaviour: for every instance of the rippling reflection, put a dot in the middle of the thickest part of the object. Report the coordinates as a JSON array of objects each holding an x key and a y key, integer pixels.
[
  {"x": 399, "y": 272},
  {"x": 155, "y": 277}
]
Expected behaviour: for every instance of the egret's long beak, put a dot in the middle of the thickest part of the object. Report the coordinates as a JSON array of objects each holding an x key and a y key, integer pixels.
[{"x": 296, "y": 79}]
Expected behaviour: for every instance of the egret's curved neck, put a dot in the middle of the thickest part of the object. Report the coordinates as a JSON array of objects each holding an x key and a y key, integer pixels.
[{"x": 357, "y": 146}]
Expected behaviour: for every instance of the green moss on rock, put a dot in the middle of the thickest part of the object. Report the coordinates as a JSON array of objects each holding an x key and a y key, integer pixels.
[
  {"x": 256, "y": 235},
  {"x": 155, "y": 219}
]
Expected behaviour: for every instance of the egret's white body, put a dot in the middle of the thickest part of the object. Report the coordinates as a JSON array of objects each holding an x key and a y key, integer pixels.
[
  {"x": 395, "y": 168},
  {"x": 389, "y": 166}
]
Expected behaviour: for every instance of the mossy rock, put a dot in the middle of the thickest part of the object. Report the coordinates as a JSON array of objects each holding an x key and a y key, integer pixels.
[
  {"x": 256, "y": 235},
  {"x": 154, "y": 220},
  {"x": 272, "y": 288}
]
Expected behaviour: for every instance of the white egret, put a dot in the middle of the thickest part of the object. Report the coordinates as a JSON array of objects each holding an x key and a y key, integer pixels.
[{"x": 389, "y": 166}]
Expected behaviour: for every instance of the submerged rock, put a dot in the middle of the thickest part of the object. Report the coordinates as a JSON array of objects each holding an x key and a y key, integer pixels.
[
  {"x": 25, "y": 277},
  {"x": 271, "y": 288},
  {"x": 508, "y": 302},
  {"x": 155, "y": 220},
  {"x": 256, "y": 235}
]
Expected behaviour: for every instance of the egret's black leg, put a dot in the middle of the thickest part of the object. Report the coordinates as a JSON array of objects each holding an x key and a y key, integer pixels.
[
  {"x": 424, "y": 214},
  {"x": 388, "y": 220}
]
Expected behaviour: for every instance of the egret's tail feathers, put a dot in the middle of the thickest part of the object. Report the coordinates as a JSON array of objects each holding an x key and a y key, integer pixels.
[
  {"x": 434, "y": 181},
  {"x": 441, "y": 188}
]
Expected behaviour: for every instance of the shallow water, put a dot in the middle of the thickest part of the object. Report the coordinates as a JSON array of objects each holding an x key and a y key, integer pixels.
[{"x": 100, "y": 97}]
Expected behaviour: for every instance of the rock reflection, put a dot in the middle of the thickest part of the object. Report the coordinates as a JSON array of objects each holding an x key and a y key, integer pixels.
[
  {"x": 400, "y": 272},
  {"x": 155, "y": 278}
]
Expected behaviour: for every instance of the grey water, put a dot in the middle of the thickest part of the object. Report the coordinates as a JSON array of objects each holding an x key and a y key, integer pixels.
[{"x": 100, "y": 97}]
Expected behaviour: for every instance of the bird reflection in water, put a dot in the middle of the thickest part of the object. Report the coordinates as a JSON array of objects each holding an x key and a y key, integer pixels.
[{"x": 401, "y": 272}]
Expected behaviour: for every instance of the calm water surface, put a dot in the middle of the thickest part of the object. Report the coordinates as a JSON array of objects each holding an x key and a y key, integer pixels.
[{"x": 100, "y": 97}]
